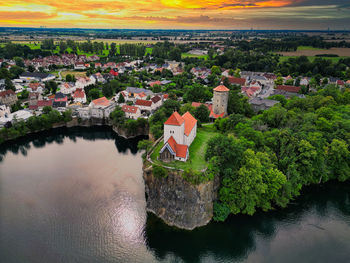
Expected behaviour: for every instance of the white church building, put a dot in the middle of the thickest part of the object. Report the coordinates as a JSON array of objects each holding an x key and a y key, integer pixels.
[{"x": 179, "y": 133}]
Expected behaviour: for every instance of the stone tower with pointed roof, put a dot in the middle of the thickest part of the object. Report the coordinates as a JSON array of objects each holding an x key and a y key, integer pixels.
[{"x": 220, "y": 100}]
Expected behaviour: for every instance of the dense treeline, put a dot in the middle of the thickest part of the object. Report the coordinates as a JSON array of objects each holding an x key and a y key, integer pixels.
[
  {"x": 263, "y": 162},
  {"x": 287, "y": 44}
]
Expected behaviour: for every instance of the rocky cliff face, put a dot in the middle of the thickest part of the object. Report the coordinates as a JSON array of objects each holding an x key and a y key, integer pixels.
[
  {"x": 127, "y": 135},
  {"x": 178, "y": 202}
]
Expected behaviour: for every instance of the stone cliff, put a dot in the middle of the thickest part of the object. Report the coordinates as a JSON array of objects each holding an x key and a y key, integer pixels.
[{"x": 177, "y": 202}]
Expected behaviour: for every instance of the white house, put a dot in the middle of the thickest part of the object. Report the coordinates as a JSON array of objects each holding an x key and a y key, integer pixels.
[
  {"x": 79, "y": 96},
  {"x": 83, "y": 82},
  {"x": 4, "y": 110},
  {"x": 21, "y": 115},
  {"x": 145, "y": 105},
  {"x": 79, "y": 65},
  {"x": 131, "y": 112},
  {"x": 179, "y": 133},
  {"x": 101, "y": 108},
  {"x": 157, "y": 102},
  {"x": 67, "y": 88}
]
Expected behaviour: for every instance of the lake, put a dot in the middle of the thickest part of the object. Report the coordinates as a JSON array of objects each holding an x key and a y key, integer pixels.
[{"x": 77, "y": 195}]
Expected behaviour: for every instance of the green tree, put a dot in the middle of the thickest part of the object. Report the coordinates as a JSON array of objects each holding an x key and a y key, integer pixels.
[{"x": 202, "y": 113}]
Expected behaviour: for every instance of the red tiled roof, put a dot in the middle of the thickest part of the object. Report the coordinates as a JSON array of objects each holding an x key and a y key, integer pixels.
[
  {"x": 238, "y": 81},
  {"x": 155, "y": 99},
  {"x": 129, "y": 109},
  {"x": 147, "y": 103},
  {"x": 221, "y": 88},
  {"x": 288, "y": 88},
  {"x": 7, "y": 93},
  {"x": 112, "y": 72},
  {"x": 79, "y": 93},
  {"x": 175, "y": 119},
  {"x": 157, "y": 82},
  {"x": 190, "y": 122},
  {"x": 340, "y": 82},
  {"x": 215, "y": 116},
  {"x": 165, "y": 96},
  {"x": 43, "y": 103},
  {"x": 33, "y": 107},
  {"x": 197, "y": 104},
  {"x": 101, "y": 102},
  {"x": 179, "y": 149}
]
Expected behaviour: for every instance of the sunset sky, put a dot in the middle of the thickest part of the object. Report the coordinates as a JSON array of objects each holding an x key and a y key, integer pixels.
[{"x": 178, "y": 14}]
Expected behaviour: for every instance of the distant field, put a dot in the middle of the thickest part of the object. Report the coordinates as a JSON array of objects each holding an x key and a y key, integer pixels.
[
  {"x": 300, "y": 48},
  {"x": 311, "y": 58},
  {"x": 188, "y": 55},
  {"x": 341, "y": 52},
  {"x": 75, "y": 73}
]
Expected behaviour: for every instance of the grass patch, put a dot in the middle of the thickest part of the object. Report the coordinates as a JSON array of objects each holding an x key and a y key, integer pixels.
[
  {"x": 198, "y": 148},
  {"x": 308, "y": 48},
  {"x": 188, "y": 55},
  {"x": 77, "y": 74}
]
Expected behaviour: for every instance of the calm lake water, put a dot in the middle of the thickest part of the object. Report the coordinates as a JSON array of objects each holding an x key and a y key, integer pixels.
[{"x": 78, "y": 196}]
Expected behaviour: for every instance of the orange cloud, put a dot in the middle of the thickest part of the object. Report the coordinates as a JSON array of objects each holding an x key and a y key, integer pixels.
[{"x": 166, "y": 13}]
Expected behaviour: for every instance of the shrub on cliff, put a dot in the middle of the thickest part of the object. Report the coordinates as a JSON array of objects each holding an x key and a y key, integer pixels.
[
  {"x": 195, "y": 177},
  {"x": 159, "y": 171}
]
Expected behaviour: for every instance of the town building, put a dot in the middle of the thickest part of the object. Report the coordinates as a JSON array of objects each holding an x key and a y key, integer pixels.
[
  {"x": 8, "y": 97},
  {"x": 101, "y": 108},
  {"x": 220, "y": 101},
  {"x": 179, "y": 133},
  {"x": 36, "y": 76},
  {"x": 79, "y": 96},
  {"x": 259, "y": 104},
  {"x": 60, "y": 100},
  {"x": 131, "y": 112}
]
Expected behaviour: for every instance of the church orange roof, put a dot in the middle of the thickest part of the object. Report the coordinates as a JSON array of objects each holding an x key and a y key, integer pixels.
[
  {"x": 179, "y": 149},
  {"x": 175, "y": 119},
  {"x": 190, "y": 122},
  {"x": 221, "y": 88}
]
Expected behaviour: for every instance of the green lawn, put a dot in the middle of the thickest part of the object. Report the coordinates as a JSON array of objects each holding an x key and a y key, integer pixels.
[
  {"x": 198, "y": 147},
  {"x": 187, "y": 55},
  {"x": 308, "y": 48}
]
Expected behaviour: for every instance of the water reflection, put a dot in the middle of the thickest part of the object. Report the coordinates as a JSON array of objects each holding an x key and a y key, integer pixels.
[
  {"x": 71, "y": 195},
  {"x": 253, "y": 238}
]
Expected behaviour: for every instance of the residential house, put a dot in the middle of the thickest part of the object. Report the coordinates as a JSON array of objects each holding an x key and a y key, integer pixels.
[
  {"x": 131, "y": 112},
  {"x": 60, "y": 100},
  {"x": 99, "y": 78},
  {"x": 293, "y": 89},
  {"x": 8, "y": 97},
  {"x": 21, "y": 115},
  {"x": 36, "y": 76},
  {"x": 113, "y": 73},
  {"x": 40, "y": 104},
  {"x": 79, "y": 96},
  {"x": 36, "y": 87},
  {"x": 85, "y": 81},
  {"x": 145, "y": 105},
  {"x": 4, "y": 110},
  {"x": 236, "y": 81},
  {"x": 304, "y": 81},
  {"x": 179, "y": 133},
  {"x": 259, "y": 104},
  {"x": 251, "y": 91},
  {"x": 101, "y": 108},
  {"x": 157, "y": 102},
  {"x": 79, "y": 66},
  {"x": 67, "y": 88}
]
